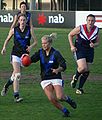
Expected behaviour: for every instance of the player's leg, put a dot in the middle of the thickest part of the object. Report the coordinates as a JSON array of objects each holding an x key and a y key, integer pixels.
[
  {"x": 6, "y": 86},
  {"x": 82, "y": 81},
  {"x": 9, "y": 82},
  {"x": 85, "y": 73},
  {"x": 50, "y": 93},
  {"x": 77, "y": 56},
  {"x": 62, "y": 97},
  {"x": 17, "y": 77},
  {"x": 81, "y": 67}
]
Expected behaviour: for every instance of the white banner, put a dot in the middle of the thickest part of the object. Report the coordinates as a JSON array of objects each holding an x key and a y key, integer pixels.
[{"x": 81, "y": 17}]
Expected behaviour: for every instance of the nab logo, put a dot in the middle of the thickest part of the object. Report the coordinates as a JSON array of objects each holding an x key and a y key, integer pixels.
[
  {"x": 42, "y": 19},
  {"x": 6, "y": 18},
  {"x": 56, "y": 19}
]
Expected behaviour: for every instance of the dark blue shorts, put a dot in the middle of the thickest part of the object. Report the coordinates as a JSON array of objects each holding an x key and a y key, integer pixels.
[{"x": 87, "y": 54}]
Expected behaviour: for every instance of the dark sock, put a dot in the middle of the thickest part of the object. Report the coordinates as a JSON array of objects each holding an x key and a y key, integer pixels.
[
  {"x": 83, "y": 79},
  {"x": 71, "y": 102},
  {"x": 16, "y": 94},
  {"x": 68, "y": 100},
  {"x": 10, "y": 82},
  {"x": 64, "y": 110},
  {"x": 77, "y": 75}
]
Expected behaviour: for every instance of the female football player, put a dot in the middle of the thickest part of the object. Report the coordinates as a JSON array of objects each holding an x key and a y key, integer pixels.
[
  {"x": 52, "y": 64},
  {"x": 22, "y": 35},
  {"x": 87, "y": 38}
]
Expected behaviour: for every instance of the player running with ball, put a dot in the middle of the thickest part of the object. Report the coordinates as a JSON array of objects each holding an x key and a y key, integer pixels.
[{"x": 52, "y": 64}]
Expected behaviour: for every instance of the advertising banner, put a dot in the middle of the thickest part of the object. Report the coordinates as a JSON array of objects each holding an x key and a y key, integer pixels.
[
  {"x": 42, "y": 19},
  {"x": 81, "y": 17}
]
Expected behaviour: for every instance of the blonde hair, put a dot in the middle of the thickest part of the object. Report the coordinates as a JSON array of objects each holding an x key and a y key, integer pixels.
[{"x": 50, "y": 37}]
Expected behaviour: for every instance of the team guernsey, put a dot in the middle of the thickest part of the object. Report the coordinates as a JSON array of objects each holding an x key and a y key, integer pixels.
[
  {"x": 84, "y": 37},
  {"x": 47, "y": 63},
  {"x": 82, "y": 43},
  {"x": 21, "y": 41}
]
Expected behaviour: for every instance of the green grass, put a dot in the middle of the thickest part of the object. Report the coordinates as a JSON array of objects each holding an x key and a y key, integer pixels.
[{"x": 36, "y": 105}]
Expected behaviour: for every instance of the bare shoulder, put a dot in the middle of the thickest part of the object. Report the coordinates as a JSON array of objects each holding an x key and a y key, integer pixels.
[{"x": 75, "y": 31}]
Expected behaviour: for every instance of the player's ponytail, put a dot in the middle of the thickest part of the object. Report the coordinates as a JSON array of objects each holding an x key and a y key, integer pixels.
[
  {"x": 53, "y": 36},
  {"x": 50, "y": 37}
]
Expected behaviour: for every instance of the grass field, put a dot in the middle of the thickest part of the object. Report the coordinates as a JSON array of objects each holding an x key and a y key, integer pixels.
[{"x": 35, "y": 105}]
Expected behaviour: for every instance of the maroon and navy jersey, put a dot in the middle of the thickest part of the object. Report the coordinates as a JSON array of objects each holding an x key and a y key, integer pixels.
[{"x": 84, "y": 37}]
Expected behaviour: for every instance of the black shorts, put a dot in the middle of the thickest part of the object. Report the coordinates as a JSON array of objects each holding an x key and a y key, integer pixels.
[{"x": 87, "y": 54}]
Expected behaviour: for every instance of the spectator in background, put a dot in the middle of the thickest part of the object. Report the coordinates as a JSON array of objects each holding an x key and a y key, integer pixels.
[
  {"x": 53, "y": 5},
  {"x": 23, "y": 8},
  {"x": 65, "y": 5},
  {"x": 57, "y": 6},
  {"x": 60, "y": 4}
]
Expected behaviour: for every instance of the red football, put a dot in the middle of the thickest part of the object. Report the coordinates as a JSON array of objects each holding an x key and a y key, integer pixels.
[{"x": 26, "y": 61}]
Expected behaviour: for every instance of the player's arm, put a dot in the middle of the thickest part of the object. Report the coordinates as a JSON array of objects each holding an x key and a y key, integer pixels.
[
  {"x": 11, "y": 32},
  {"x": 14, "y": 22},
  {"x": 32, "y": 28},
  {"x": 31, "y": 23},
  {"x": 96, "y": 43},
  {"x": 62, "y": 63},
  {"x": 74, "y": 32},
  {"x": 35, "y": 57},
  {"x": 33, "y": 38}
]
